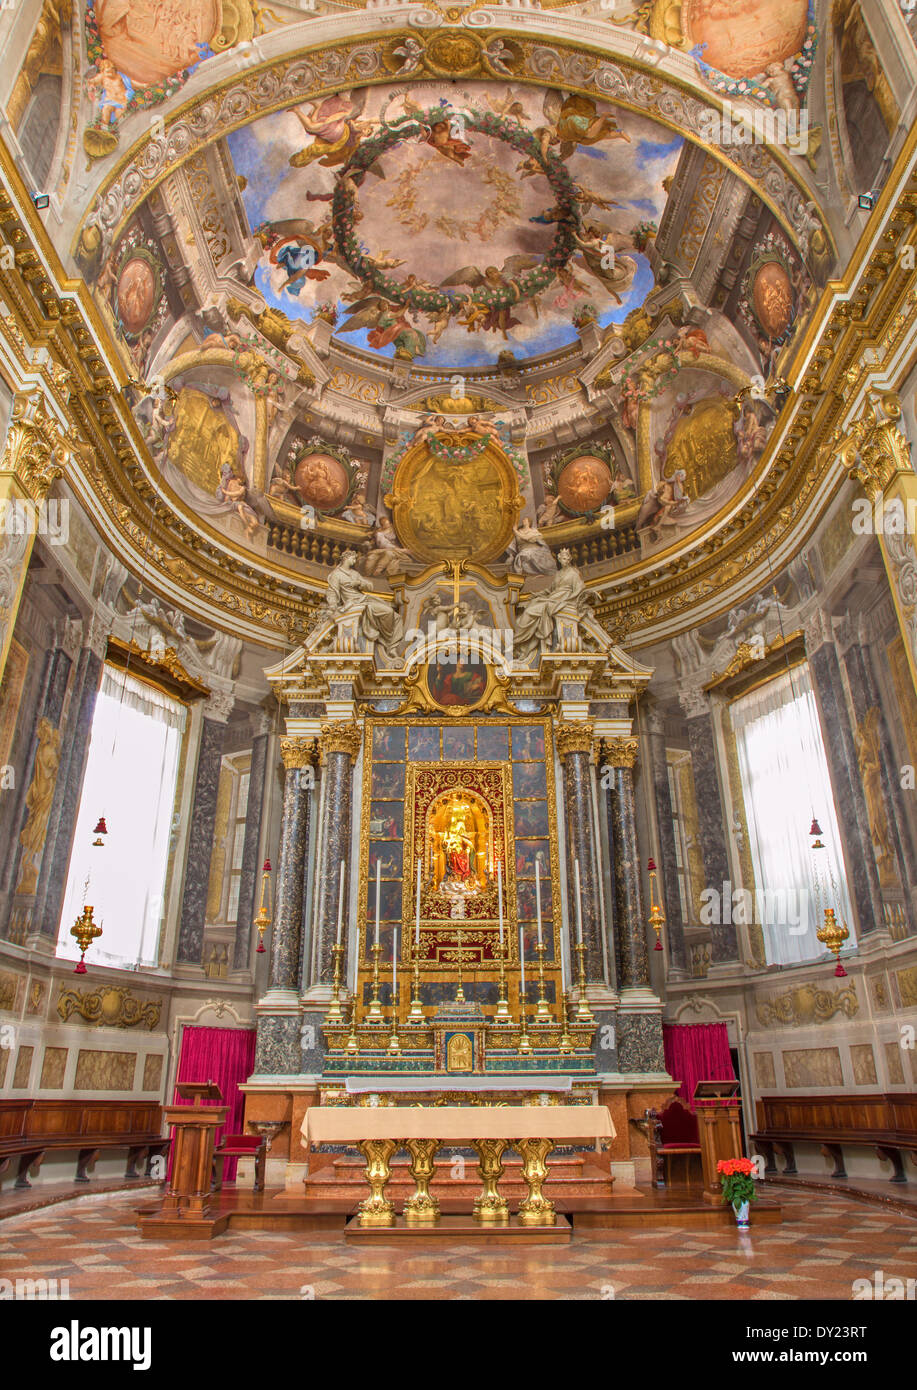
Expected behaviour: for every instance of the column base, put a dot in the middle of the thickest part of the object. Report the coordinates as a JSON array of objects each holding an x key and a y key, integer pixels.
[{"x": 638, "y": 998}]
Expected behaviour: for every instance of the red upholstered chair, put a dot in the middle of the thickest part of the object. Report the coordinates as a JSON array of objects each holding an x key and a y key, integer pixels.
[
  {"x": 672, "y": 1132},
  {"x": 240, "y": 1146}
]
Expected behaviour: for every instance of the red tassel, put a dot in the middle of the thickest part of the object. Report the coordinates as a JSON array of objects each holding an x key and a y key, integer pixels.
[
  {"x": 658, "y": 946},
  {"x": 260, "y": 948},
  {"x": 652, "y": 866},
  {"x": 839, "y": 970},
  {"x": 267, "y": 867},
  {"x": 815, "y": 828},
  {"x": 80, "y": 967}
]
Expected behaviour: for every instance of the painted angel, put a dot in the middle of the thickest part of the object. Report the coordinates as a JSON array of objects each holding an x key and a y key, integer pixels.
[
  {"x": 387, "y": 323},
  {"x": 334, "y": 127},
  {"x": 575, "y": 121},
  {"x": 495, "y": 317}
]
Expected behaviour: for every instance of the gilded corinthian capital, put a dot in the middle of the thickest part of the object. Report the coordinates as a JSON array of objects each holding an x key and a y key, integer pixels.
[
  {"x": 618, "y": 752},
  {"x": 36, "y": 450},
  {"x": 298, "y": 752},
  {"x": 341, "y": 738},
  {"x": 573, "y": 736},
  {"x": 875, "y": 449}
]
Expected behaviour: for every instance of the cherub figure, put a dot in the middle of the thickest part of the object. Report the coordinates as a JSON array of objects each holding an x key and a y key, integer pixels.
[{"x": 110, "y": 89}]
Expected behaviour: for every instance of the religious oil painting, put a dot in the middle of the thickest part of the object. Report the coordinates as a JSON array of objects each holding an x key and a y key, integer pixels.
[
  {"x": 388, "y": 743},
  {"x": 387, "y": 820},
  {"x": 528, "y": 852},
  {"x": 531, "y": 817},
  {"x": 456, "y": 684},
  {"x": 423, "y": 744},
  {"x": 493, "y": 743},
  {"x": 458, "y": 743},
  {"x": 530, "y": 780},
  {"x": 388, "y": 780},
  {"x": 389, "y": 858},
  {"x": 528, "y": 743}
]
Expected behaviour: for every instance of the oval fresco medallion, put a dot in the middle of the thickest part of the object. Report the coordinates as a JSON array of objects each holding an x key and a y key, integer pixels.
[
  {"x": 773, "y": 299},
  {"x": 322, "y": 481},
  {"x": 743, "y": 37},
  {"x": 136, "y": 294},
  {"x": 584, "y": 484},
  {"x": 150, "y": 40}
]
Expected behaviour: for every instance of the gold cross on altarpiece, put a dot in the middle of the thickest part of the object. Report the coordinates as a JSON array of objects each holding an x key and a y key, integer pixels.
[{"x": 455, "y": 567}]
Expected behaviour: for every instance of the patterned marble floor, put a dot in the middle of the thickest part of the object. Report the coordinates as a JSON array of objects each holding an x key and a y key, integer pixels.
[{"x": 820, "y": 1248}]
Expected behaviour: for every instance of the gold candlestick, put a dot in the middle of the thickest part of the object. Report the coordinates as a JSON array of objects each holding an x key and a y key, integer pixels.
[
  {"x": 460, "y": 992},
  {"x": 583, "y": 1012},
  {"x": 416, "y": 1012},
  {"x": 525, "y": 1044},
  {"x": 566, "y": 1042},
  {"x": 374, "y": 1012},
  {"x": 394, "y": 1042},
  {"x": 503, "y": 1014},
  {"x": 542, "y": 1011},
  {"x": 335, "y": 1013},
  {"x": 352, "y": 1045}
]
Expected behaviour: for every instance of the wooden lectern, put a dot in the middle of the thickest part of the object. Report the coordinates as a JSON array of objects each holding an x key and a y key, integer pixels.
[
  {"x": 716, "y": 1104},
  {"x": 188, "y": 1193}
]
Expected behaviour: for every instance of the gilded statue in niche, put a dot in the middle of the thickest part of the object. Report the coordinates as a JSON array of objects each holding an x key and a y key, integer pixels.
[
  {"x": 203, "y": 441},
  {"x": 38, "y": 803}
]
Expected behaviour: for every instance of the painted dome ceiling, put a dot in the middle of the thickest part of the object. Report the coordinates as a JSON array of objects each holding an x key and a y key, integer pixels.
[{"x": 584, "y": 242}]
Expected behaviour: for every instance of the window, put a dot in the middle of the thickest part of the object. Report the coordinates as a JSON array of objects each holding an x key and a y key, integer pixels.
[
  {"x": 785, "y": 780},
  {"x": 131, "y": 773}
]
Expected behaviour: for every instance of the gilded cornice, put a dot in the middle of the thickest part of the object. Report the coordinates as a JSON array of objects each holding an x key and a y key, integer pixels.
[
  {"x": 36, "y": 450},
  {"x": 875, "y": 449}
]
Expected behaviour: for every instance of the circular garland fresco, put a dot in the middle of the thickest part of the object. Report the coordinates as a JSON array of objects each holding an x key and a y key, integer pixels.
[{"x": 425, "y": 299}]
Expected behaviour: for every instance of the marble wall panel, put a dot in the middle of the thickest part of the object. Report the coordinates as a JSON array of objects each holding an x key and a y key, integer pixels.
[
  {"x": 813, "y": 1066},
  {"x": 53, "y": 1066},
  {"x": 864, "y": 1065},
  {"x": 104, "y": 1071}
]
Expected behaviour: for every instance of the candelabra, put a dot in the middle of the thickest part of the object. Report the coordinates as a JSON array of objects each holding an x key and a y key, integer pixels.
[
  {"x": 374, "y": 1012},
  {"x": 503, "y": 1014},
  {"x": 566, "y": 1042},
  {"x": 85, "y": 931},
  {"x": 335, "y": 1013},
  {"x": 525, "y": 1043},
  {"x": 542, "y": 1011},
  {"x": 583, "y": 1011},
  {"x": 416, "y": 1012}
]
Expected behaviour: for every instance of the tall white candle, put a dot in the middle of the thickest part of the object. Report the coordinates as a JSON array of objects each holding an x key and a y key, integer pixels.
[
  {"x": 500, "y": 897},
  {"x": 341, "y": 902},
  {"x": 538, "y": 895},
  {"x": 417, "y": 918},
  {"x": 395, "y": 971},
  {"x": 378, "y": 892},
  {"x": 522, "y": 958},
  {"x": 579, "y": 904},
  {"x": 560, "y": 950}
]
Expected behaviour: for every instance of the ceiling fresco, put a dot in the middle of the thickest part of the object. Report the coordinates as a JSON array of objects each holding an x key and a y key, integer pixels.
[
  {"x": 445, "y": 225},
  {"x": 481, "y": 282}
]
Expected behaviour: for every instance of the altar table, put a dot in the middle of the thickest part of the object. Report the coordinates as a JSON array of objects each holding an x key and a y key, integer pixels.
[{"x": 379, "y": 1131}]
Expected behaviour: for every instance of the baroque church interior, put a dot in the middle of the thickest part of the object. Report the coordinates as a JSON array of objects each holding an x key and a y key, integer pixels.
[{"x": 458, "y": 636}]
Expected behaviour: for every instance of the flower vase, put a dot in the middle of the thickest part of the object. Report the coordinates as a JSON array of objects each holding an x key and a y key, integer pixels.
[{"x": 741, "y": 1211}]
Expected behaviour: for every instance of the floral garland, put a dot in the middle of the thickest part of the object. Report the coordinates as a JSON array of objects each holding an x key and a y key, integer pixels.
[
  {"x": 457, "y": 453},
  {"x": 517, "y": 459},
  {"x": 424, "y": 299}
]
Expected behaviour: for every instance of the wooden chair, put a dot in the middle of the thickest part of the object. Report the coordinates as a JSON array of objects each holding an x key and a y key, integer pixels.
[
  {"x": 240, "y": 1146},
  {"x": 672, "y": 1132}
]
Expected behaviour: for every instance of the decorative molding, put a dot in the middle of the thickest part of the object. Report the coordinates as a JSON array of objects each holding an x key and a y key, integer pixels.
[
  {"x": 806, "y": 1004},
  {"x": 112, "y": 1006},
  {"x": 36, "y": 451},
  {"x": 163, "y": 670},
  {"x": 219, "y": 705}
]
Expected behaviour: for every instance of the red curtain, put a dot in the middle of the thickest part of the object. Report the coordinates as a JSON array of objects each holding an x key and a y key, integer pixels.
[
  {"x": 696, "y": 1052},
  {"x": 226, "y": 1056}
]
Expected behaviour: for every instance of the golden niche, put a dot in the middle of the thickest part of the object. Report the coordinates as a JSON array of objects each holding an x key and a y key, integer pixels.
[
  {"x": 459, "y": 845},
  {"x": 447, "y": 508},
  {"x": 459, "y": 1053}
]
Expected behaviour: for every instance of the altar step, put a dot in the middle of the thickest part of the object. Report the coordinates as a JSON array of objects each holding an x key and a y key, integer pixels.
[{"x": 569, "y": 1176}]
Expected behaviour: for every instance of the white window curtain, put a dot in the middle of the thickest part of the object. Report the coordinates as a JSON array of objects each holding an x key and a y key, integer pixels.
[
  {"x": 131, "y": 774},
  {"x": 785, "y": 780}
]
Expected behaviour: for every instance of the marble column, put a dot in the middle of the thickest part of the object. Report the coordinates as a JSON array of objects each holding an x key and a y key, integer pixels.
[
  {"x": 574, "y": 746},
  {"x": 200, "y": 838},
  {"x": 668, "y": 865},
  {"x": 849, "y": 801},
  {"x": 340, "y": 746},
  {"x": 45, "y": 734},
  {"x": 711, "y": 823},
  {"x": 865, "y": 697},
  {"x": 621, "y": 754},
  {"x": 68, "y": 788},
  {"x": 249, "y": 876},
  {"x": 299, "y": 756}
]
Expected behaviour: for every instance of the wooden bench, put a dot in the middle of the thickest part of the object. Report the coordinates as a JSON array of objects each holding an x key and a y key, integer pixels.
[
  {"x": 29, "y": 1129},
  {"x": 886, "y": 1123}
]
